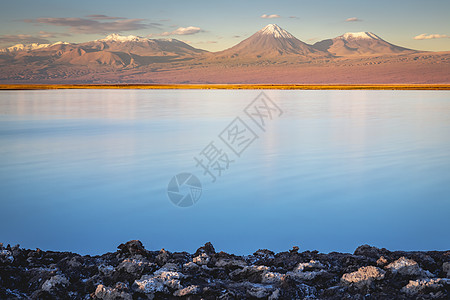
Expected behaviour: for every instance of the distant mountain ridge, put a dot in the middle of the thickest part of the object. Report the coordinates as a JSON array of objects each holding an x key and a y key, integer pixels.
[
  {"x": 143, "y": 46},
  {"x": 114, "y": 50},
  {"x": 28, "y": 47}
]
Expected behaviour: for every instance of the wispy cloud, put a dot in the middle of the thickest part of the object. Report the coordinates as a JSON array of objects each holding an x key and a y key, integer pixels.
[
  {"x": 293, "y": 17},
  {"x": 206, "y": 42},
  {"x": 270, "y": 16},
  {"x": 425, "y": 36},
  {"x": 42, "y": 37},
  {"x": 52, "y": 35},
  {"x": 21, "y": 39},
  {"x": 353, "y": 19},
  {"x": 179, "y": 31},
  {"x": 103, "y": 17},
  {"x": 184, "y": 31},
  {"x": 93, "y": 26}
]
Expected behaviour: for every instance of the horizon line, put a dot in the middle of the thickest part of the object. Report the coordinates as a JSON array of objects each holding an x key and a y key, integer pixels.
[{"x": 438, "y": 87}]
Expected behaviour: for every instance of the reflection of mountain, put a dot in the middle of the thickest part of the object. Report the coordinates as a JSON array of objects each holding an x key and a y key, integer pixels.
[
  {"x": 359, "y": 43},
  {"x": 271, "y": 55}
]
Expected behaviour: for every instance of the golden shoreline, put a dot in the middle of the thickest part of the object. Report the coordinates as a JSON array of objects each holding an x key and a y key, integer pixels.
[{"x": 229, "y": 86}]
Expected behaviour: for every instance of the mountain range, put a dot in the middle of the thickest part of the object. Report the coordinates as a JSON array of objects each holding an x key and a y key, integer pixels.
[{"x": 133, "y": 59}]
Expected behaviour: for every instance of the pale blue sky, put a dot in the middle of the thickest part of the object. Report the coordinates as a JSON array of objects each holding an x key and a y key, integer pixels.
[{"x": 221, "y": 24}]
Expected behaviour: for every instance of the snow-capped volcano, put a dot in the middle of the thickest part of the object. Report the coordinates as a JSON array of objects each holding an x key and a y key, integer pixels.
[
  {"x": 359, "y": 43},
  {"x": 269, "y": 42},
  {"x": 114, "y": 37},
  {"x": 360, "y": 35},
  {"x": 276, "y": 31}
]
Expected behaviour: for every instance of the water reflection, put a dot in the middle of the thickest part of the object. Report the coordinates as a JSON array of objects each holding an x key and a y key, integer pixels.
[{"x": 84, "y": 170}]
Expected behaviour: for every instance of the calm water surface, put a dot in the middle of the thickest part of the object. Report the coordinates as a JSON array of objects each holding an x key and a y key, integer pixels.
[{"x": 84, "y": 170}]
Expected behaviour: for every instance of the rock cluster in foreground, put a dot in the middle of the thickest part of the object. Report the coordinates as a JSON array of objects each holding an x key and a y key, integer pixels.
[{"x": 133, "y": 272}]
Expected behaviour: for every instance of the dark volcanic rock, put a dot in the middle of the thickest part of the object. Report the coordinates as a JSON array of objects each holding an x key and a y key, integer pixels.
[
  {"x": 136, "y": 273},
  {"x": 208, "y": 249},
  {"x": 132, "y": 247}
]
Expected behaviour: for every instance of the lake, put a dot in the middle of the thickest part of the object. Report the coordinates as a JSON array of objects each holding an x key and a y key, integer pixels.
[{"x": 85, "y": 170}]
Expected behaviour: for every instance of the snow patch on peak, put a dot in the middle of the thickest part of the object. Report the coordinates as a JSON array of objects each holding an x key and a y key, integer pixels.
[
  {"x": 276, "y": 31},
  {"x": 25, "y": 47},
  {"x": 60, "y": 43},
  {"x": 29, "y": 47},
  {"x": 168, "y": 40},
  {"x": 121, "y": 38},
  {"x": 360, "y": 35}
]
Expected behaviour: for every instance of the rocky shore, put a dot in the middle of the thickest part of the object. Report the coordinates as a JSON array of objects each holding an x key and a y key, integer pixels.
[{"x": 133, "y": 272}]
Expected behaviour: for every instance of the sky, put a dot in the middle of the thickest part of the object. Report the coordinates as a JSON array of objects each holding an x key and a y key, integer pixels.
[{"x": 217, "y": 25}]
